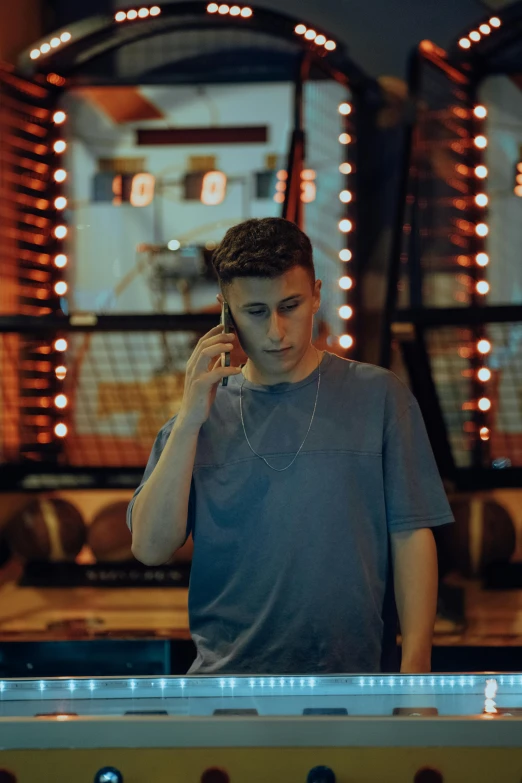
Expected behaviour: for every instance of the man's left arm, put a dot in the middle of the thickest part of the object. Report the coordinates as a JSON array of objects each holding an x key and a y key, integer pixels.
[{"x": 415, "y": 574}]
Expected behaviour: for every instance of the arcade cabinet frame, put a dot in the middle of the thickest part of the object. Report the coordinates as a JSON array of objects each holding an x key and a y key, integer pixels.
[
  {"x": 445, "y": 111},
  {"x": 35, "y": 322}
]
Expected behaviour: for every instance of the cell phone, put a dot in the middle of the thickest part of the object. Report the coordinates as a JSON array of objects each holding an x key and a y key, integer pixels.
[{"x": 228, "y": 326}]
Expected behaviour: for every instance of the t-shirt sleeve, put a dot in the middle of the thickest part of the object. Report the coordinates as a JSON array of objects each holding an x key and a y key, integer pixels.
[
  {"x": 414, "y": 493},
  {"x": 155, "y": 454}
]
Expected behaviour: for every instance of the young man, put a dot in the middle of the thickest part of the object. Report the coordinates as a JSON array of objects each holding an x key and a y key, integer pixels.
[{"x": 296, "y": 480}]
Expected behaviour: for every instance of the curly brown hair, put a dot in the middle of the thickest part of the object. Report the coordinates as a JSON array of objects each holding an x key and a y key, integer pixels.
[{"x": 262, "y": 247}]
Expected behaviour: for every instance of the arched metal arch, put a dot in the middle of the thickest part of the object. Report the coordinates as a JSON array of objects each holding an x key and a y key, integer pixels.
[
  {"x": 95, "y": 36},
  {"x": 495, "y": 35}
]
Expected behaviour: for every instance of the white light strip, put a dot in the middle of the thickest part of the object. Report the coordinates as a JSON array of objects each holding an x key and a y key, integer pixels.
[{"x": 49, "y": 46}]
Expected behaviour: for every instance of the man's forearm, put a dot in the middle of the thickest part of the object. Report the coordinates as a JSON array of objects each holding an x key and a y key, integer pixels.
[{"x": 415, "y": 570}]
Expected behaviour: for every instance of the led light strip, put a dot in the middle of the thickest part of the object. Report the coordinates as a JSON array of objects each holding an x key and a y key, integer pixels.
[
  {"x": 345, "y": 227},
  {"x": 141, "y": 13},
  {"x": 483, "y": 346},
  {"x": 232, "y": 10},
  {"x": 476, "y": 35},
  {"x": 317, "y": 38},
  {"x": 60, "y": 262},
  {"x": 48, "y": 46}
]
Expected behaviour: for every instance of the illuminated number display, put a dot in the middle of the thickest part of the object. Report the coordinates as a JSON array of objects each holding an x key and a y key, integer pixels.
[
  {"x": 517, "y": 190},
  {"x": 142, "y": 190},
  {"x": 308, "y": 187},
  {"x": 213, "y": 188}
]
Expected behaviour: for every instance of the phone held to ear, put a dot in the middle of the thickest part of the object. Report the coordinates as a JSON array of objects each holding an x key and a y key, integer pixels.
[{"x": 228, "y": 326}]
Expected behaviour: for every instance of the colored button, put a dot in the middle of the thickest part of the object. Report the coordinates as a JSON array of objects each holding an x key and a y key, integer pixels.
[
  {"x": 215, "y": 775},
  {"x": 428, "y": 775}
]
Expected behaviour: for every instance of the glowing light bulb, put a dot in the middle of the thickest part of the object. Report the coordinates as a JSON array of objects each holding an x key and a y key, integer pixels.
[
  {"x": 345, "y": 196},
  {"x": 60, "y": 232},
  {"x": 481, "y": 200},
  {"x": 345, "y": 341},
  {"x": 345, "y": 168},
  {"x": 484, "y": 374},
  {"x": 345, "y": 283},
  {"x": 59, "y": 117},
  {"x": 481, "y": 172},
  {"x": 132, "y": 14},
  {"x": 330, "y": 45},
  {"x": 310, "y": 35},
  {"x": 120, "y": 16},
  {"x": 345, "y": 255},
  {"x": 345, "y": 225},
  {"x": 35, "y": 54},
  {"x": 60, "y": 202},
  {"x": 300, "y": 29},
  {"x": 345, "y": 108},
  {"x": 60, "y": 260},
  {"x": 482, "y": 259},
  {"x": 59, "y": 146},
  {"x": 484, "y": 404},
  {"x": 481, "y": 142},
  {"x": 61, "y": 287},
  {"x": 60, "y": 344},
  {"x": 464, "y": 43},
  {"x": 482, "y": 287},
  {"x": 481, "y": 229},
  {"x": 480, "y": 112},
  {"x": 60, "y": 175},
  {"x": 345, "y": 312},
  {"x": 484, "y": 346},
  {"x": 61, "y": 430}
]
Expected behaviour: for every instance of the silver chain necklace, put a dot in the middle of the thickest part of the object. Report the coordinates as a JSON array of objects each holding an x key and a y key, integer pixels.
[{"x": 279, "y": 470}]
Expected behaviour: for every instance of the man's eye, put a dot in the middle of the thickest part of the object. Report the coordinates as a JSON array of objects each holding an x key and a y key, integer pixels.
[{"x": 260, "y": 312}]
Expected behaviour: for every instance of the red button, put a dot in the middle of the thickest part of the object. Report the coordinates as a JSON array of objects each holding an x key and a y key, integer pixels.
[{"x": 213, "y": 775}]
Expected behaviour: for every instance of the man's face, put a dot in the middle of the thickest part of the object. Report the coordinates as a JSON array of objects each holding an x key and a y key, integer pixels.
[{"x": 274, "y": 318}]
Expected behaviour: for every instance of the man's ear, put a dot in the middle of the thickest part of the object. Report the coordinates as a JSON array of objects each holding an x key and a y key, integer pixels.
[{"x": 220, "y": 299}]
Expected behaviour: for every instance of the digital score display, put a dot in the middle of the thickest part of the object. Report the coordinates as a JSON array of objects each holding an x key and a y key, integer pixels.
[
  {"x": 135, "y": 189},
  {"x": 210, "y": 188}
]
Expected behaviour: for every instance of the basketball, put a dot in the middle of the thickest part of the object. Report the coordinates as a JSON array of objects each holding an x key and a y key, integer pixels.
[
  {"x": 108, "y": 535},
  {"x": 483, "y": 534},
  {"x": 47, "y": 529}
]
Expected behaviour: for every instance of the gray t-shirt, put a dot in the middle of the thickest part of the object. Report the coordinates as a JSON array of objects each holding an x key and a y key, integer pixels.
[{"x": 289, "y": 568}]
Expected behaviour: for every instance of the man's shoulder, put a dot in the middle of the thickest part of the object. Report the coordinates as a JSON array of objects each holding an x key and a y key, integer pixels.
[
  {"x": 364, "y": 372},
  {"x": 374, "y": 383}
]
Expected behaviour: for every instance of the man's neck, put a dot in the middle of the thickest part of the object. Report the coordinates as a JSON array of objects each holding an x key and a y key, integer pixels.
[{"x": 306, "y": 366}]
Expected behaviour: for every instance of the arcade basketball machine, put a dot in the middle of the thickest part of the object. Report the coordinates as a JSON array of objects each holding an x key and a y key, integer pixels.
[
  {"x": 131, "y": 143},
  {"x": 90, "y": 373},
  {"x": 454, "y": 322}
]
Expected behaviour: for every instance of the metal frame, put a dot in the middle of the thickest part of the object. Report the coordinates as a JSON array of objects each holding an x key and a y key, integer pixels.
[{"x": 466, "y": 67}]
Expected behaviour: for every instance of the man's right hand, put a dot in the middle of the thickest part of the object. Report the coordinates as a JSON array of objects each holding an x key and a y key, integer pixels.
[{"x": 204, "y": 373}]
